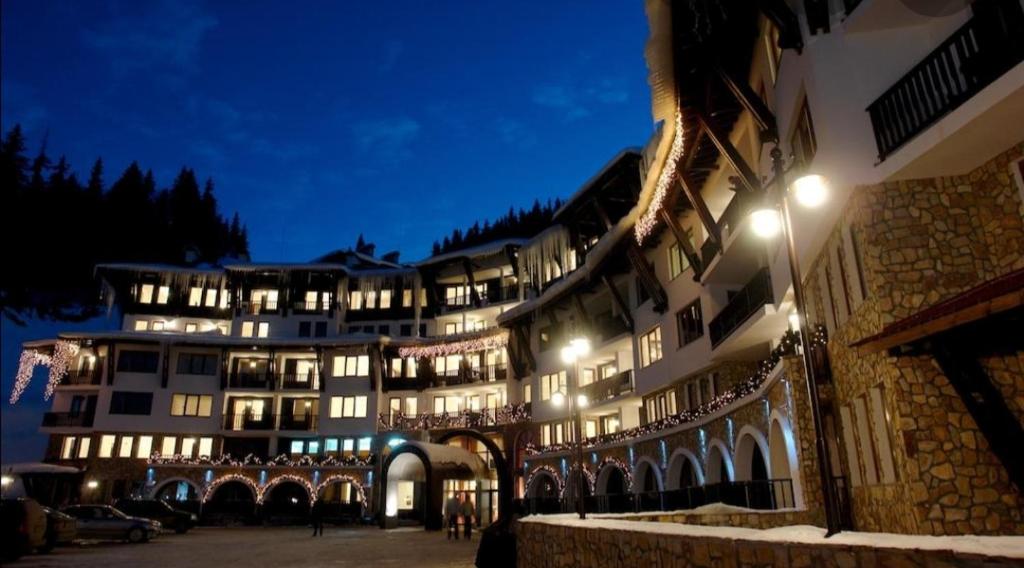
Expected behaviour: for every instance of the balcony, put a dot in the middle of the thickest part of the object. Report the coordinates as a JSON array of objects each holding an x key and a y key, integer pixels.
[
  {"x": 249, "y": 380},
  {"x": 248, "y": 421},
  {"x": 298, "y": 381},
  {"x": 974, "y": 56},
  {"x": 301, "y": 422},
  {"x": 314, "y": 307},
  {"x": 257, "y": 307},
  {"x": 404, "y": 383},
  {"x": 469, "y": 375},
  {"x": 67, "y": 420},
  {"x": 493, "y": 296},
  {"x": 606, "y": 389},
  {"x": 485, "y": 417},
  {"x": 754, "y": 295},
  {"x": 83, "y": 377},
  {"x": 607, "y": 327}
]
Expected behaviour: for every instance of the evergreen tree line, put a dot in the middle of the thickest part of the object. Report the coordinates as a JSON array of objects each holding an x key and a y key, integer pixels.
[
  {"x": 520, "y": 224},
  {"x": 56, "y": 228}
]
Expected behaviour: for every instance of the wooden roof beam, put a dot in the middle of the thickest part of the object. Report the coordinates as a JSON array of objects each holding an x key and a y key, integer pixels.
[
  {"x": 619, "y": 303},
  {"x": 683, "y": 239},
  {"x": 474, "y": 295},
  {"x": 751, "y": 101},
  {"x": 647, "y": 277},
  {"x": 714, "y": 233},
  {"x": 732, "y": 155}
]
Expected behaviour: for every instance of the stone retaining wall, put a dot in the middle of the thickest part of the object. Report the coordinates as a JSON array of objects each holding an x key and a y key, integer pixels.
[
  {"x": 759, "y": 520},
  {"x": 551, "y": 546}
]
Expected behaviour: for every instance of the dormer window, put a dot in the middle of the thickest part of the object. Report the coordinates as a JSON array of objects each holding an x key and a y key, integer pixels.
[
  {"x": 195, "y": 297},
  {"x": 211, "y": 298},
  {"x": 145, "y": 294}
]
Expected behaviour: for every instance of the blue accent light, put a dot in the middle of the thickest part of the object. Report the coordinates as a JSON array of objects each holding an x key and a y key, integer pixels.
[
  {"x": 664, "y": 453},
  {"x": 208, "y": 476},
  {"x": 263, "y": 477},
  {"x": 395, "y": 442},
  {"x": 565, "y": 467},
  {"x": 316, "y": 477},
  {"x": 632, "y": 457},
  {"x": 369, "y": 478},
  {"x": 593, "y": 457},
  {"x": 150, "y": 475}
]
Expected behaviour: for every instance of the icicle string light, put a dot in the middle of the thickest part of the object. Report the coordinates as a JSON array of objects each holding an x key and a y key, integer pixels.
[
  {"x": 787, "y": 346},
  {"x": 26, "y": 367},
  {"x": 263, "y": 490},
  {"x": 211, "y": 488},
  {"x": 490, "y": 341},
  {"x": 252, "y": 460},
  {"x": 60, "y": 362},
  {"x": 649, "y": 220}
]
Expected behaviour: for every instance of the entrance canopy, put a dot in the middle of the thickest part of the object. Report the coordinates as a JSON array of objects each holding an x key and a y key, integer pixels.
[{"x": 446, "y": 462}]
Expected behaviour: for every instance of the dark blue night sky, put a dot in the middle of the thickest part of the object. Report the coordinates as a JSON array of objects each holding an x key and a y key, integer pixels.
[
  {"x": 317, "y": 125},
  {"x": 339, "y": 119}
]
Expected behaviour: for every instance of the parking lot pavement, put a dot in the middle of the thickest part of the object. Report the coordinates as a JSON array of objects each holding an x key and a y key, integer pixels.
[{"x": 277, "y": 546}]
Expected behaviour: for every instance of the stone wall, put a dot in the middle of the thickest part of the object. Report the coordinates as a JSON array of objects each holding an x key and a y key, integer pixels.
[
  {"x": 762, "y": 520},
  {"x": 550, "y": 546},
  {"x": 917, "y": 243}
]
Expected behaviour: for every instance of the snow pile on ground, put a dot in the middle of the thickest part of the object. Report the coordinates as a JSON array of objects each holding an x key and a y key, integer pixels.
[{"x": 1005, "y": 546}]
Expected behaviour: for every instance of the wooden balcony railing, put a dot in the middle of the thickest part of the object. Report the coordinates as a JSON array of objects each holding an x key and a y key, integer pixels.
[
  {"x": 249, "y": 421},
  {"x": 756, "y": 293},
  {"x": 68, "y": 419},
  {"x": 485, "y": 417},
  {"x": 84, "y": 376},
  {"x": 609, "y": 388},
  {"x": 965, "y": 63}
]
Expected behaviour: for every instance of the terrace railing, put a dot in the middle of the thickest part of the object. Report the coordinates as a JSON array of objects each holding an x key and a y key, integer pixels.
[{"x": 756, "y": 293}]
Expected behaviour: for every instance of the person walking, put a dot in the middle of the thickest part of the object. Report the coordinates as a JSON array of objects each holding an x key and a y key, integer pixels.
[
  {"x": 316, "y": 516},
  {"x": 468, "y": 513},
  {"x": 451, "y": 515}
]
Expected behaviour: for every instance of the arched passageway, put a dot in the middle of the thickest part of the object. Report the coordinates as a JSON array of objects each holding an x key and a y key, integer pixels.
[
  {"x": 286, "y": 503},
  {"x": 613, "y": 490},
  {"x": 783, "y": 464},
  {"x": 230, "y": 503},
  {"x": 342, "y": 499},
  {"x": 648, "y": 486},
  {"x": 542, "y": 493},
  {"x": 179, "y": 493}
]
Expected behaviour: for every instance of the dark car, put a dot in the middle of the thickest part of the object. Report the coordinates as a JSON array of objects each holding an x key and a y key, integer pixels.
[
  {"x": 107, "y": 523},
  {"x": 22, "y": 528},
  {"x": 171, "y": 518},
  {"x": 61, "y": 529}
]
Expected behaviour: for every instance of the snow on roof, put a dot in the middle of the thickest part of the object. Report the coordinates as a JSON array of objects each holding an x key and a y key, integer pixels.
[
  {"x": 37, "y": 467},
  {"x": 349, "y": 339},
  {"x": 1005, "y": 546},
  {"x": 594, "y": 178},
  {"x": 484, "y": 249},
  {"x": 254, "y": 266},
  {"x": 450, "y": 456},
  {"x": 130, "y": 267}
]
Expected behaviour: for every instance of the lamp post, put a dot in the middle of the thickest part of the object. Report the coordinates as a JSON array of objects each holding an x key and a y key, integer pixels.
[
  {"x": 571, "y": 354},
  {"x": 768, "y": 221}
]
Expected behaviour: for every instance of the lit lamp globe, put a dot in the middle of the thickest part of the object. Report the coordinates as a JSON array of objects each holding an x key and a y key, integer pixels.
[
  {"x": 557, "y": 398},
  {"x": 765, "y": 223},
  {"x": 810, "y": 190},
  {"x": 582, "y": 401},
  {"x": 581, "y": 345},
  {"x": 568, "y": 354}
]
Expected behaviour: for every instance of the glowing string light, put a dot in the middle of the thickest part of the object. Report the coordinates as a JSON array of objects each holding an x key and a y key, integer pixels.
[
  {"x": 26, "y": 367},
  {"x": 649, "y": 220}
]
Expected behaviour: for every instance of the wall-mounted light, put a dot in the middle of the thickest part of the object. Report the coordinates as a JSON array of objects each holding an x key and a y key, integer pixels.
[{"x": 92, "y": 484}]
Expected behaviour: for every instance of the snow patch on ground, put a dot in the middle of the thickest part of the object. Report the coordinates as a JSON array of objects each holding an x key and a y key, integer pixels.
[{"x": 1006, "y": 546}]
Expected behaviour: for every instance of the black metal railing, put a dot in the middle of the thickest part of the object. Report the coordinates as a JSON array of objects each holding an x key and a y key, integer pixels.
[
  {"x": 611, "y": 387},
  {"x": 761, "y": 494},
  {"x": 405, "y": 383},
  {"x": 249, "y": 421},
  {"x": 965, "y": 63},
  {"x": 305, "y": 422},
  {"x": 708, "y": 250},
  {"x": 83, "y": 377},
  {"x": 313, "y": 307},
  {"x": 756, "y": 293},
  {"x": 736, "y": 211},
  {"x": 262, "y": 307},
  {"x": 298, "y": 381},
  {"x": 249, "y": 380},
  {"x": 68, "y": 419},
  {"x": 607, "y": 326},
  {"x": 509, "y": 414}
]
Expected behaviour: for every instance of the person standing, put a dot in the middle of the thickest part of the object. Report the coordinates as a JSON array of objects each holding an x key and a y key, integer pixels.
[
  {"x": 468, "y": 513},
  {"x": 316, "y": 516},
  {"x": 451, "y": 515}
]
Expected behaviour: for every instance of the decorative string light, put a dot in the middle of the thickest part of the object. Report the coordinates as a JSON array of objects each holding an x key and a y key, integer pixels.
[
  {"x": 623, "y": 467},
  {"x": 787, "y": 346},
  {"x": 649, "y": 220},
  {"x": 493, "y": 340},
  {"x": 263, "y": 490},
  {"x": 465, "y": 418},
  {"x": 60, "y": 362},
  {"x": 587, "y": 475},
  {"x": 26, "y": 367},
  {"x": 342, "y": 477},
  {"x": 210, "y": 488},
  {"x": 547, "y": 469},
  {"x": 251, "y": 460}
]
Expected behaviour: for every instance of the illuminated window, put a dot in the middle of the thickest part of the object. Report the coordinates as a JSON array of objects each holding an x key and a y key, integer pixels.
[
  {"x": 211, "y": 298},
  {"x": 650, "y": 347},
  {"x": 247, "y": 328},
  {"x": 67, "y": 448},
  {"x": 188, "y": 445},
  {"x": 348, "y": 407},
  {"x": 144, "y": 448},
  {"x": 206, "y": 447},
  {"x": 347, "y": 446},
  {"x": 83, "y": 447},
  {"x": 125, "y": 449},
  {"x": 107, "y": 446},
  {"x": 296, "y": 447},
  {"x": 550, "y": 384},
  {"x": 141, "y": 325},
  {"x": 191, "y": 328},
  {"x": 331, "y": 445},
  {"x": 313, "y": 447},
  {"x": 364, "y": 446},
  {"x": 677, "y": 261},
  {"x": 527, "y": 393},
  {"x": 159, "y": 325},
  {"x": 407, "y": 298},
  {"x": 195, "y": 296},
  {"x": 145, "y": 294},
  {"x": 355, "y": 300},
  {"x": 263, "y": 329},
  {"x": 163, "y": 294},
  {"x": 168, "y": 445},
  {"x": 225, "y": 299},
  {"x": 385, "y": 299},
  {"x": 191, "y": 405},
  {"x": 351, "y": 366}
]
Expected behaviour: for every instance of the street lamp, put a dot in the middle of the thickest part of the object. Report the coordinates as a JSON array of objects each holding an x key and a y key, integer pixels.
[
  {"x": 571, "y": 354},
  {"x": 767, "y": 221}
]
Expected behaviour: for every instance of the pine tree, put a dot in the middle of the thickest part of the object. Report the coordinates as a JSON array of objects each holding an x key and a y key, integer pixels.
[{"x": 95, "y": 185}]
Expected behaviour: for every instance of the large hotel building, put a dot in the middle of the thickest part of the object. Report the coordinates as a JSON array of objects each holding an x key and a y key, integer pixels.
[{"x": 380, "y": 386}]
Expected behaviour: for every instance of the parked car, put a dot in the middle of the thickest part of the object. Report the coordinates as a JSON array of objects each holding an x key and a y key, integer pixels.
[
  {"x": 61, "y": 529},
  {"x": 105, "y": 522},
  {"x": 171, "y": 518},
  {"x": 22, "y": 527}
]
